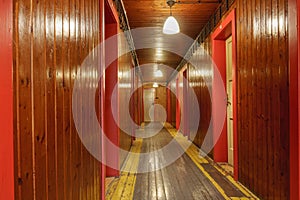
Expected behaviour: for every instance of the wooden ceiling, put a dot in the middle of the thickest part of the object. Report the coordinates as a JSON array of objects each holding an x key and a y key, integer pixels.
[{"x": 153, "y": 13}]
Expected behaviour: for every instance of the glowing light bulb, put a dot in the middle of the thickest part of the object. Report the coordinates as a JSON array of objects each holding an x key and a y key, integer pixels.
[
  {"x": 171, "y": 26},
  {"x": 155, "y": 85}
]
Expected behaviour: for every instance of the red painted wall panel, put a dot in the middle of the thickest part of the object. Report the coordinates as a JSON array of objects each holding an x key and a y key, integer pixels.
[
  {"x": 219, "y": 58},
  {"x": 101, "y": 85},
  {"x": 297, "y": 187},
  {"x": 168, "y": 104},
  {"x": 294, "y": 46},
  {"x": 178, "y": 104},
  {"x": 173, "y": 102},
  {"x": 111, "y": 79},
  {"x": 185, "y": 99},
  {"x": 6, "y": 103}
]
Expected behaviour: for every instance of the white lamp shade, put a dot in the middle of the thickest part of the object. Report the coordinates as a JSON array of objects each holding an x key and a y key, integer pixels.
[
  {"x": 155, "y": 85},
  {"x": 158, "y": 73},
  {"x": 171, "y": 26}
]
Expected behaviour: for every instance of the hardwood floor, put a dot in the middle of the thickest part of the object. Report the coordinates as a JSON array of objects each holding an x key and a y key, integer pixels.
[{"x": 189, "y": 177}]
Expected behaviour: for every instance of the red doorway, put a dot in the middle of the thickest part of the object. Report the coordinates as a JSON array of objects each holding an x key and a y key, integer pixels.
[
  {"x": 294, "y": 63},
  {"x": 226, "y": 29},
  {"x": 111, "y": 79},
  {"x": 185, "y": 104},
  {"x": 178, "y": 111},
  {"x": 6, "y": 106}
]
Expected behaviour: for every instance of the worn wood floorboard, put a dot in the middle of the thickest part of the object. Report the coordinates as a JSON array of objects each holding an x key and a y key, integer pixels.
[
  {"x": 180, "y": 180},
  {"x": 190, "y": 176}
]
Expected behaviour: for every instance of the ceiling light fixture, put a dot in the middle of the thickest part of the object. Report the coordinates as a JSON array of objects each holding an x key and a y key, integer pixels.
[
  {"x": 171, "y": 25},
  {"x": 158, "y": 73},
  {"x": 155, "y": 85}
]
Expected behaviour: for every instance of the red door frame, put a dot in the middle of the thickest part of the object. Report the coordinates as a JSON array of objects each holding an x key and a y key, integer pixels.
[
  {"x": 142, "y": 105},
  {"x": 102, "y": 94},
  {"x": 111, "y": 127},
  {"x": 186, "y": 128},
  {"x": 133, "y": 102},
  {"x": 178, "y": 111},
  {"x": 226, "y": 28},
  {"x": 139, "y": 90},
  {"x": 169, "y": 118},
  {"x": 6, "y": 105},
  {"x": 294, "y": 63}
]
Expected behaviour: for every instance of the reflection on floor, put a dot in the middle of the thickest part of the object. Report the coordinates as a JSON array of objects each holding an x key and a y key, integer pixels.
[{"x": 189, "y": 176}]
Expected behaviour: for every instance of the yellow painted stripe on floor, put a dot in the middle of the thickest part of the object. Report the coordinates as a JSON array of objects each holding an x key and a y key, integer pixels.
[
  {"x": 191, "y": 149},
  {"x": 218, "y": 187},
  {"x": 131, "y": 180},
  {"x": 231, "y": 179},
  {"x": 245, "y": 191},
  {"x": 241, "y": 198},
  {"x": 123, "y": 187},
  {"x": 193, "y": 153},
  {"x": 239, "y": 186},
  {"x": 184, "y": 142},
  {"x": 111, "y": 188}
]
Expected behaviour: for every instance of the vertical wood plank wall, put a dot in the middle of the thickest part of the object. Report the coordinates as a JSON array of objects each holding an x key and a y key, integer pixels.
[
  {"x": 125, "y": 88},
  {"x": 136, "y": 102},
  {"x": 263, "y": 97},
  {"x": 161, "y": 93},
  {"x": 160, "y": 99},
  {"x": 200, "y": 85},
  {"x": 51, "y": 39}
]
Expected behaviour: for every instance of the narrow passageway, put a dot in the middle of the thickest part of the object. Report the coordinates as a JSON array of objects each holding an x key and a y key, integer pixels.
[
  {"x": 86, "y": 85},
  {"x": 188, "y": 177}
]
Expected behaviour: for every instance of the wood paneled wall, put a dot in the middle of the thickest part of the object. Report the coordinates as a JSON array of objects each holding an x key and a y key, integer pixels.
[
  {"x": 160, "y": 99},
  {"x": 198, "y": 85},
  {"x": 125, "y": 87},
  {"x": 51, "y": 39},
  {"x": 136, "y": 102},
  {"x": 161, "y": 93},
  {"x": 263, "y": 97},
  {"x": 200, "y": 81}
]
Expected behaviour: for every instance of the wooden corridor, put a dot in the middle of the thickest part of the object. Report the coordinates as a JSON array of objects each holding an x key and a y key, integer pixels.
[{"x": 189, "y": 177}]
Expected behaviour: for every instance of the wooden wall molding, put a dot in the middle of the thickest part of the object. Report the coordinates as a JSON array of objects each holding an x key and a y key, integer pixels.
[{"x": 124, "y": 26}]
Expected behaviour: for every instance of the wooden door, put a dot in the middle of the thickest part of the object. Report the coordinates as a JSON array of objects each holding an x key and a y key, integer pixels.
[{"x": 149, "y": 95}]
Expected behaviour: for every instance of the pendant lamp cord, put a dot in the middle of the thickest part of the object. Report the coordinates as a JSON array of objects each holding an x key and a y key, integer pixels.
[{"x": 170, "y": 10}]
